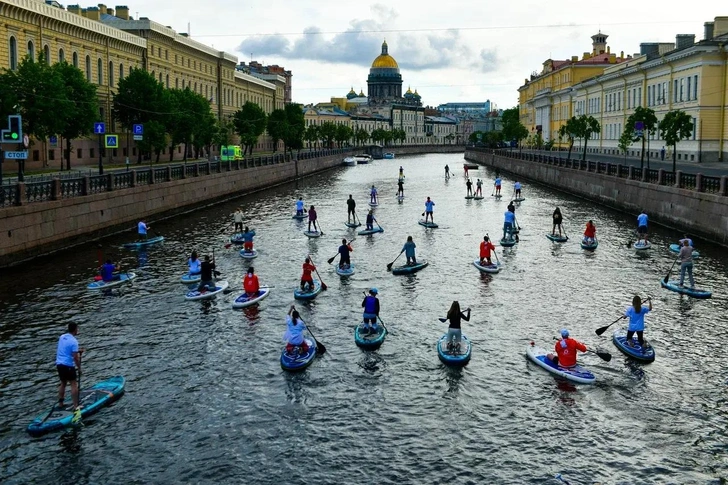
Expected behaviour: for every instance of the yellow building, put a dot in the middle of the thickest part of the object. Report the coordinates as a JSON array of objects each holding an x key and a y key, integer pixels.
[{"x": 545, "y": 98}]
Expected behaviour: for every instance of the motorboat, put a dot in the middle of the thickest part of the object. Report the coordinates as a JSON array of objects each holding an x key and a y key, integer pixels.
[
  {"x": 389, "y": 155},
  {"x": 363, "y": 158},
  {"x": 349, "y": 162}
]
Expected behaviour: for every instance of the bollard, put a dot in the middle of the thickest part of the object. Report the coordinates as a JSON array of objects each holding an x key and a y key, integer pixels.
[
  {"x": 723, "y": 190},
  {"x": 698, "y": 182},
  {"x": 56, "y": 189},
  {"x": 660, "y": 176},
  {"x": 643, "y": 177},
  {"x": 21, "y": 193},
  {"x": 169, "y": 173},
  {"x": 678, "y": 178},
  {"x": 133, "y": 181},
  {"x": 630, "y": 175},
  {"x": 109, "y": 182},
  {"x": 84, "y": 185}
]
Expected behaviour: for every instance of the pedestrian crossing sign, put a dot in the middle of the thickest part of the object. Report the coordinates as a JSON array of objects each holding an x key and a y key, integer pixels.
[{"x": 111, "y": 141}]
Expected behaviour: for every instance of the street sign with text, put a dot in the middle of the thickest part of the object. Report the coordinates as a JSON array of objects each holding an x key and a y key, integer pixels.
[{"x": 16, "y": 155}]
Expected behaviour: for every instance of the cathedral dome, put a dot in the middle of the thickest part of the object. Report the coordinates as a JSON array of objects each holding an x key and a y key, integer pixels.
[{"x": 384, "y": 60}]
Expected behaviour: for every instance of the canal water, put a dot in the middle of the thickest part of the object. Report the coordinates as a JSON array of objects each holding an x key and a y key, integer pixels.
[{"x": 207, "y": 402}]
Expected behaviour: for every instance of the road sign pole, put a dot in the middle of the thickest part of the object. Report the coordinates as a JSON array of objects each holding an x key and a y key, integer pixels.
[
  {"x": 2, "y": 161},
  {"x": 101, "y": 158},
  {"x": 21, "y": 177}
]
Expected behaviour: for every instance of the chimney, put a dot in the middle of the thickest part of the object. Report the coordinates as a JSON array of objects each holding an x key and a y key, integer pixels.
[
  {"x": 649, "y": 49},
  {"x": 684, "y": 40},
  {"x": 587, "y": 55},
  {"x": 122, "y": 12},
  {"x": 709, "y": 27},
  {"x": 609, "y": 50},
  {"x": 76, "y": 9},
  {"x": 621, "y": 55},
  {"x": 110, "y": 11},
  {"x": 720, "y": 26},
  {"x": 574, "y": 58},
  {"x": 102, "y": 8},
  {"x": 93, "y": 13},
  {"x": 612, "y": 58}
]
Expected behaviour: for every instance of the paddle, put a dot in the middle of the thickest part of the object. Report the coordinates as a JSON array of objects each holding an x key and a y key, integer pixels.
[
  {"x": 380, "y": 227},
  {"x": 319, "y": 227},
  {"x": 634, "y": 233},
  {"x": 321, "y": 348},
  {"x": 389, "y": 266},
  {"x": 331, "y": 260},
  {"x": 56, "y": 402},
  {"x": 225, "y": 229},
  {"x": 229, "y": 290},
  {"x": 603, "y": 329},
  {"x": 667, "y": 276},
  {"x": 605, "y": 356},
  {"x": 323, "y": 285}
]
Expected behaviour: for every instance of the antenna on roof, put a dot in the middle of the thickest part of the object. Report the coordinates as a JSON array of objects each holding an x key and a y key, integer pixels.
[{"x": 189, "y": 33}]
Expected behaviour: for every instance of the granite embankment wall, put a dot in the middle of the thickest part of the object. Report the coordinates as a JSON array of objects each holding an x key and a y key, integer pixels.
[
  {"x": 690, "y": 202},
  {"x": 43, "y": 217}
]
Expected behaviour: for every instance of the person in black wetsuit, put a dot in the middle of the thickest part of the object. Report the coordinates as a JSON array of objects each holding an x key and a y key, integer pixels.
[
  {"x": 351, "y": 207},
  {"x": 207, "y": 280}
]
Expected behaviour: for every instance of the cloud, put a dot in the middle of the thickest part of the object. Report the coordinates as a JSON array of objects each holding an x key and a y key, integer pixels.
[{"x": 362, "y": 41}]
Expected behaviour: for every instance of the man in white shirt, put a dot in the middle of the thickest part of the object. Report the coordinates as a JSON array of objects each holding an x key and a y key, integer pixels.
[{"x": 68, "y": 359}]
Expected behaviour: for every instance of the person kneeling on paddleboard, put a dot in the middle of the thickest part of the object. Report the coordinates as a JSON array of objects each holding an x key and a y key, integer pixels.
[
  {"x": 207, "y": 282},
  {"x": 409, "y": 251},
  {"x": 636, "y": 314},
  {"x": 371, "y": 311},
  {"x": 566, "y": 350},
  {"x": 307, "y": 277},
  {"x": 250, "y": 283},
  {"x": 248, "y": 240},
  {"x": 454, "y": 332},
  {"x": 485, "y": 248},
  {"x": 590, "y": 233},
  {"x": 344, "y": 250},
  {"x": 107, "y": 272},
  {"x": 194, "y": 264},
  {"x": 370, "y": 221},
  {"x": 294, "y": 333}
]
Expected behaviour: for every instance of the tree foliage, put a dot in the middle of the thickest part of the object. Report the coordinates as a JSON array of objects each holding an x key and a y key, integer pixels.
[
  {"x": 647, "y": 117},
  {"x": 327, "y": 133},
  {"x": 250, "y": 122},
  {"x": 513, "y": 129},
  {"x": 361, "y": 136},
  {"x": 676, "y": 126},
  {"x": 343, "y": 134}
]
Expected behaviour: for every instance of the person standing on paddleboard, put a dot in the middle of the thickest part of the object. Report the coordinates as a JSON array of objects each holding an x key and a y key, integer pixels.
[
  {"x": 466, "y": 170},
  {"x": 312, "y": 217},
  {"x": 248, "y": 240},
  {"x": 207, "y": 282},
  {"x": 566, "y": 350},
  {"x": 142, "y": 229},
  {"x": 517, "y": 188},
  {"x": 686, "y": 263},
  {"x": 371, "y": 311},
  {"x": 345, "y": 251},
  {"x": 68, "y": 361},
  {"x": 454, "y": 331},
  {"x": 373, "y": 195},
  {"x": 409, "y": 251},
  {"x": 497, "y": 186},
  {"x": 642, "y": 220},
  {"x": 194, "y": 264},
  {"x": 250, "y": 283},
  {"x": 351, "y": 209},
  {"x": 429, "y": 209},
  {"x": 636, "y": 314},
  {"x": 307, "y": 276},
  {"x": 485, "y": 248},
  {"x": 238, "y": 220},
  {"x": 590, "y": 233},
  {"x": 509, "y": 218},
  {"x": 108, "y": 272},
  {"x": 401, "y": 173},
  {"x": 294, "y": 332},
  {"x": 300, "y": 207},
  {"x": 558, "y": 219},
  {"x": 479, "y": 189},
  {"x": 447, "y": 171},
  {"x": 400, "y": 188},
  {"x": 469, "y": 185}
]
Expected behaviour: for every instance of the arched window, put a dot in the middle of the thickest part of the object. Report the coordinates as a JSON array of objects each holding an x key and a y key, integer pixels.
[
  {"x": 88, "y": 68},
  {"x": 61, "y": 56},
  {"x": 195, "y": 87},
  {"x": 121, "y": 72},
  {"x": 31, "y": 50},
  {"x": 75, "y": 60},
  {"x": 47, "y": 54},
  {"x": 176, "y": 83},
  {"x": 167, "y": 79},
  {"x": 100, "y": 67},
  {"x": 13, "y": 44},
  {"x": 160, "y": 77},
  {"x": 111, "y": 74}
]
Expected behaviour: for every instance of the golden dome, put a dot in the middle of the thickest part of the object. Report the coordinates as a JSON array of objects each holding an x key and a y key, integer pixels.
[
  {"x": 385, "y": 61},
  {"x": 409, "y": 90}
]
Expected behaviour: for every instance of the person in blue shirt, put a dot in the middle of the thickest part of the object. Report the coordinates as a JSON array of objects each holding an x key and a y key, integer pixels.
[
  {"x": 371, "y": 311},
  {"x": 497, "y": 184},
  {"x": 409, "y": 251},
  {"x": 248, "y": 240},
  {"x": 508, "y": 220},
  {"x": 142, "y": 229},
  {"x": 370, "y": 220},
  {"x": 108, "y": 272},
  {"x": 636, "y": 314},
  {"x": 299, "y": 207},
  {"x": 642, "y": 227},
  {"x": 294, "y": 332},
  {"x": 429, "y": 209},
  {"x": 68, "y": 361},
  {"x": 194, "y": 264},
  {"x": 686, "y": 238},
  {"x": 517, "y": 188}
]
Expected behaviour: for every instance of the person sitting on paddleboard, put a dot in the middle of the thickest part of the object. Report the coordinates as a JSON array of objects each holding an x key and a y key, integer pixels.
[
  {"x": 509, "y": 218},
  {"x": 238, "y": 219},
  {"x": 194, "y": 264},
  {"x": 642, "y": 227},
  {"x": 479, "y": 189},
  {"x": 248, "y": 240},
  {"x": 636, "y": 314},
  {"x": 485, "y": 248},
  {"x": 300, "y": 210},
  {"x": 250, "y": 283},
  {"x": 371, "y": 311},
  {"x": 370, "y": 220},
  {"x": 497, "y": 186},
  {"x": 108, "y": 270},
  {"x": 558, "y": 219},
  {"x": 294, "y": 332},
  {"x": 142, "y": 229},
  {"x": 409, "y": 251},
  {"x": 400, "y": 188},
  {"x": 517, "y": 188},
  {"x": 566, "y": 350},
  {"x": 350, "y": 209},
  {"x": 68, "y": 360},
  {"x": 429, "y": 209},
  {"x": 469, "y": 185},
  {"x": 686, "y": 263},
  {"x": 373, "y": 195},
  {"x": 207, "y": 282},
  {"x": 590, "y": 233},
  {"x": 447, "y": 171},
  {"x": 344, "y": 250},
  {"x": 454, "y": 331},
  {"x": 312, "y": 217},
  {"x": 307, "y": 276}
]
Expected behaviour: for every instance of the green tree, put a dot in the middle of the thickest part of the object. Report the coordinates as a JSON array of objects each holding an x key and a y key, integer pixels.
[
  {"x": 625, "y": 141},
  {"x": 513, "y": 129},
  {"x": 189, "y": 111},
  {"x": 205, "y": 132},
  {"x": 311, "y": 135},
  {"x": 250, "y": 122},
  {"x": 569, "y": 131},
  {"x": 294, "y": 127},
  {"x": 155, "y": 139},
  {"x": 327, "y": 131},
  {"x": 582, "y": 127},
  {"x": 223, "y": 133},
  {"x": 675, "y": 127},
  {"x": 388, "y": 136},
  {"x": 475, "y": 137},
  {"x": 649, "y": 121},
  {"x": 361, "y": 135},
  {"x": 276, "y": 126},
  {"x": 398, "y": 134},
  {"x": 79, "y": 110},
  {"x": 343, "y": 134}
]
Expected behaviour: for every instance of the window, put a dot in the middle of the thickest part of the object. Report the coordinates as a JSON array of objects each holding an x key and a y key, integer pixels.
[
  {"x": 100, "y": 67},
  {"x": 111, "y": 74},
  {"x": 91, "y": 152},
  {"x": 695, "y": 126},
  {"x": 639, "y": 97},
  {"x": 31, "y": 50},
  {"x": 88, "y": 68},
  {"x": 61, "y": 56},
  {"x": 695, "y": 87},
  {"x": 167, "y": 81},
  {"x": 13, "y": 44},
  {"x": 121, "y": 71},
  {"x": 682, "y": 87},
  {"x": 176, "y": 83},
  {"x": 75, "y": 60},
  {"x": 47, "y": 54},
  {"x": 160, "y": 78},
  {"x": 674, "y": 91},
  {"x": 79, "y": 153},
  {"x": 166, "y": 54}
]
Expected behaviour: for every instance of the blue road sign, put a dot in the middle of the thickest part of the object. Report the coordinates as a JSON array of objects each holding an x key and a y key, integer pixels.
[
  {"x": 53, "y": 139},
  {"x": 16, "y": 155},
  {"x": 99, "y": 128},
  {"x": 138, "y": 129},
  {"x": 111, "y": 141}
]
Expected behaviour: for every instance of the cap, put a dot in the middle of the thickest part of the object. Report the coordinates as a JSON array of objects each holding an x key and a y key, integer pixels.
[
  {"x": 374, "y": 291},
  {"x": 564, "y": 333}
]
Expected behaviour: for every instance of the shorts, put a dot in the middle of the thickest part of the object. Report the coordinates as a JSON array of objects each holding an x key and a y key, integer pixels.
[
  {"x": 248, "y": 246},
  {"x": 642, "y": 230},
  {"x": 66, "y": 373}
]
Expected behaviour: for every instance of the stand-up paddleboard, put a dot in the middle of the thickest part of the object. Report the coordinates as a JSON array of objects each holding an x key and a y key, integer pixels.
[
  {"x": 558, "y": 239},
  {"x": 297, "y": 360},
  {"x": 409, "y": 268},
  {"x": 248, "y": 254},
  {"x": 641, "y": 245},
  {"x": 299, "y": 217},
  {"x": 478, "y": 197},
  {"x": 497, "y": 196},
  {"x": 367, "y": 232},
  {"x": 207, "y": 294},
  {"x": 144, "y": 243},
  {"x": 352, "y": 224},
  {"x": 189, "y": 279},
  {"x": 244, "y": 300},
  {"x": 429, "y": 225},
  {"x": 487, "y": 268},
  {"x": 91, "y": 400},
  {"x": 124, "y": 278},
  {"x": 519, "y": 199},
  {"x": 589, "y": 246},
  {"x": 675, "y": 248},
  {"x": 636, "y": 351},
  {"x": 691, "y": 292},
  {"x": 369, "y": 340},
  {"x": 468, "y": 197},
  {"x": 348, "y": 271},
  {"x": 312, "y": 234},
  {"x": 577, "y": 373},
  {"x": 456, "y": 356},
  {"x": 508, "y": 243},
  {"x": 308, "y": 293},
  {"x": 400, "y": 199},
  {"x": 373, "y": 204}
]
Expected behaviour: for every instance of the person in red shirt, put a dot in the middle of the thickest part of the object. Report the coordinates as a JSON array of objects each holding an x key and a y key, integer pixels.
[
  {"x": 566, "y": 350},
  {"x": 250, "y": 283},
  {"x": 590, "y": 232},
  {"x": 307, "y": 277},
  {"x": 485, "y": 248}
]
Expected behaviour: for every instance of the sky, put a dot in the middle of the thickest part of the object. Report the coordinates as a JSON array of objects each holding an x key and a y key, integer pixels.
[{"x": 450, "y": 51}]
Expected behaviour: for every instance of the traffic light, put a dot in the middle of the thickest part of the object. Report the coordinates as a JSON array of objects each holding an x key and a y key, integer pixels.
[{"x": 14, "y": 133}]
